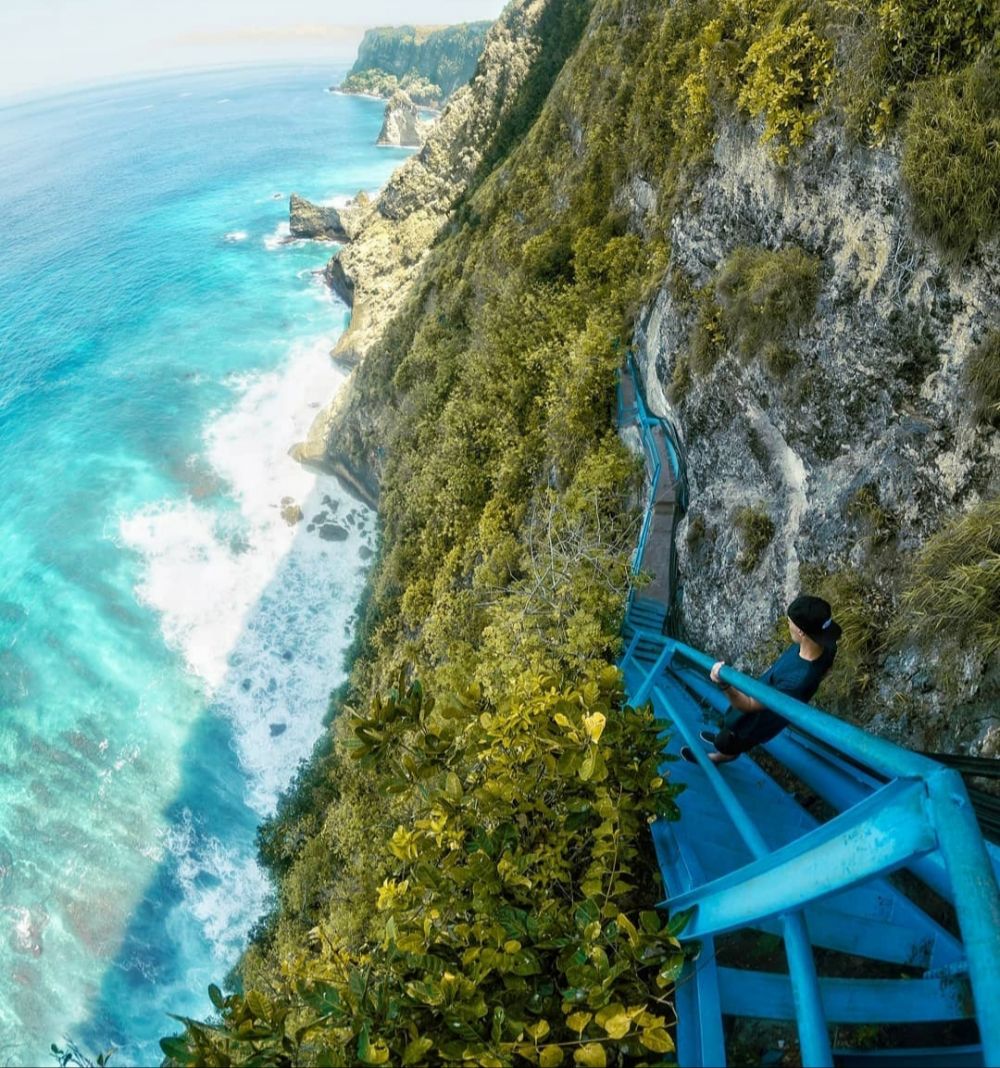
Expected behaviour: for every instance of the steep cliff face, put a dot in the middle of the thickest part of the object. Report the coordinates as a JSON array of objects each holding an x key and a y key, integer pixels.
[
  {"x": 375, "y": 272},
  {"x": 429, "y": 62},
  {"x": 855, "y": 446}
]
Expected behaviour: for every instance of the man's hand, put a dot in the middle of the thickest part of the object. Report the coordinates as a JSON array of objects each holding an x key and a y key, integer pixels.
[{"x": 716, "y": 668}]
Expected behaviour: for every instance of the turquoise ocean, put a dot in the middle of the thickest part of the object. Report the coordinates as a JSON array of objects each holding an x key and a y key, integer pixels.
[{"x": 167, "y": 640}]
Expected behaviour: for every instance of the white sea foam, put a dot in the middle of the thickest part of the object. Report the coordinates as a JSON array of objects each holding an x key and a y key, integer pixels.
[
  {"x": 259, "y": 609},
  {"x": 235, "y": 235},
  {"x": 279, "y": 236},
  {"x": 225, "y": 890}
]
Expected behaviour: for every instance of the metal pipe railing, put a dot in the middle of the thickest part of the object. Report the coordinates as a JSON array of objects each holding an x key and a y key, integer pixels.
[
  {"x": 876, "y": 753},
  {"x": 813, "y": 1034}
]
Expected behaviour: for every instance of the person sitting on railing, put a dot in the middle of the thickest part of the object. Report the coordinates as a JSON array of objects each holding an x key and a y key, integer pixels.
[{"x": 797, "y": 672}]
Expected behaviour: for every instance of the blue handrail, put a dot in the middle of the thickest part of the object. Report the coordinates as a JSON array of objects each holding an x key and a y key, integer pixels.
[{"x": 920, "y": 816}]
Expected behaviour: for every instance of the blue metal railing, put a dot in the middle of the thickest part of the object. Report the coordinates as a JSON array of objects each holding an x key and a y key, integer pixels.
[
  {"x": 909, "y": 811},
  {"x": 647, "y": 424}
]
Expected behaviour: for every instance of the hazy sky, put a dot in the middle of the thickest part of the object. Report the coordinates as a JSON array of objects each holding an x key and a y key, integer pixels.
[{"x": 52, "y": 43}]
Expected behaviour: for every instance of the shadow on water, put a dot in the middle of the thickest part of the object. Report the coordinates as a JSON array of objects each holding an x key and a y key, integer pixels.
[{"x": 191, "y": 922}]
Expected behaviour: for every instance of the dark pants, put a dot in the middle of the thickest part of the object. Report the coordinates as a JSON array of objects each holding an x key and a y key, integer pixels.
[
  {"x": 731, "y": 744},
  {"x": 743, "y": 731}
]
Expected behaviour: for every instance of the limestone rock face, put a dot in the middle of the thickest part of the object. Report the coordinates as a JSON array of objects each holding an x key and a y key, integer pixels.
[
  {"x": 394, "y": 233},
  {"x": 402, "y": 124},
  {"x": 306, "y": 219},
  {"x": 872, "y": 407}
]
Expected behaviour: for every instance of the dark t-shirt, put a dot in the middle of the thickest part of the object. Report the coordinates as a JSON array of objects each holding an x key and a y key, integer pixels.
[{"x": 793, "y": 675}]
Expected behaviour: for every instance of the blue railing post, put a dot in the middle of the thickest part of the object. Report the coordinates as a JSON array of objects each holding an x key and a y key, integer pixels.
[{"x": 977, "y": 899}]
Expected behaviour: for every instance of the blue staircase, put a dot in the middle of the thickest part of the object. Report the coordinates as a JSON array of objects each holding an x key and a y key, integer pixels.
[{"x": 747, "y": 856}]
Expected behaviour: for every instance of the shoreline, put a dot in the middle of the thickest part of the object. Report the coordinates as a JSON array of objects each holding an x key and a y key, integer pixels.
[{"x": 337, "y": 91}]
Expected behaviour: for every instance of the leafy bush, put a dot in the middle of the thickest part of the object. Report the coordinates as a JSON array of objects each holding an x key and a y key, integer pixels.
[
  {"x": 512, "y": 922},
  {"x": 708, "y": 336},
  {"x": 785, "y": 72},
  {"x": 765, "y": 295},
  {"x": 954, "y": 587},
  {"x": 951, "y": 159},
  {"x": 756, "y": 531},
  {"x": 982, "y": 378},
  {"x": 895, "y": 44}
]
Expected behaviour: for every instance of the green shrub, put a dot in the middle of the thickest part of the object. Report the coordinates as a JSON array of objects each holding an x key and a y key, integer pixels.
[
  {"x": 951, "y": 156},
  {"x": 954, "y": 587},
  {"x": 894, "y": 44},
  {"x": 756, "y": 530},
  {"x": 514, "y": 921},
  {"x": 708, "y": 335},
  {"x": 785, "y": 72},
  {"x": 879, "y": 523},
  {"x": 680, "y": 380},
  {"x": 982, "y": 378},
  {"x": 765, "y": 296},
  {"x": 779, "y": 360}
]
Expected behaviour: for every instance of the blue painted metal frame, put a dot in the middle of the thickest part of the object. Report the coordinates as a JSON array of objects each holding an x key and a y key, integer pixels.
[{"x": 904, "y": 810}]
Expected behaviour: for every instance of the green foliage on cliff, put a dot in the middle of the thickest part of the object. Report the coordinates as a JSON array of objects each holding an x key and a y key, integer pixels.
[
  {"x": 756, "y": 303},
  {"x": 420, "y": 90},
  {"x": 982, "y": 378},
  {"x": 512, "y": 924},
  {"x": 896, "y": 44},
  {"x": 954, "y": 588},
  {"x": 756, "y": 530},
  {"x": 786, "y": 71},
  {"x": 951, "y": 155},
  {"x": 430, "y": 63}
]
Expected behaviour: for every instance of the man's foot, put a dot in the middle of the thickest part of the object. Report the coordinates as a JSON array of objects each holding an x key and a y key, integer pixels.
[
  {"x": 721, "y": 758},
  {"x": 716, "y": 758},
  {"x": 708, "y": 736}
]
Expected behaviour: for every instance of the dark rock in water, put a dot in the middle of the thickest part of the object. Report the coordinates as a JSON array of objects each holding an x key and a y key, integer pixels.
[
  {"x": 331, "y": 503},
  {"x": 290, "y": 511},
  {"x": 278, "y": 728},
  {"x": 333, "y": 532},
  {"x": 365, "y": 553},
  {"x": 319, "y": 518},
  {"x": 306, "y": 219},
  {"x": 286, "y": 655},
  {"x": 245, "y": 685}
]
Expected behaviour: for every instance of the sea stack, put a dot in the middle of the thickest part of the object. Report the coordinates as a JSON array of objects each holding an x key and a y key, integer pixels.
[
  {"x": 402, "y": 124},
  {"x": 306, "y": 219}
]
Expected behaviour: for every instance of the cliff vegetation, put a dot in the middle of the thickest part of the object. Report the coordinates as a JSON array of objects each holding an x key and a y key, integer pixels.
[
  {"x": 428, "y": 63},
  {"x": 460, "y": 870}
]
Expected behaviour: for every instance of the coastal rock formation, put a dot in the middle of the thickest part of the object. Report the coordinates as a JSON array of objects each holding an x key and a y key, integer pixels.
[
  {"x": 306, "y": 219},
  {"x": 402, "y": 125},
  {"x": 428, "y": 63},
  {"x": 394, "y": 233}
]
